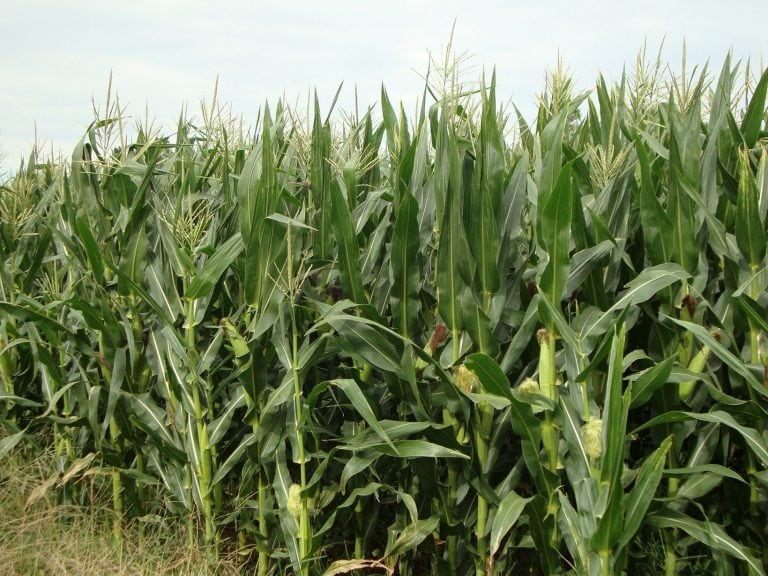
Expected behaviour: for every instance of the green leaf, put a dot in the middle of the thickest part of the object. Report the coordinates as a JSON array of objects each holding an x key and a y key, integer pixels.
[
  {"x": 650, "y": 381},
  {"x": 151, "y": 418},
  {"x": 654, "y": 220},
  {"x": 404, "y": 263},
  {"x": 756, "y": 314},
  {"x": 134, "y": 260},
  {"x": 615, "y": 411},
  {"x": 321, "y": 184},
  {"x": 220, "y": 426},
  {"x": 361, "y": 404},
  {"x": 9, "y": 442},
  {"x": 234, "y": 458},
  {"x": 636, "y": 503},
  {"x": 540, "y": 523},
  {"x": 573, "y": 531},
  {"x": 644, "y": 286},
  {"x": 92, "y": 249},
  {"x": 484, "y": 199},
  {"x": 454, "y": 269},
  {"x": 115, "y": 385},
  {"x": 752, "y": 438},
  {"x": 490, "y": 374},
  {"x": 20, "y": 400},
  {"x": 364, "y": 340},
  {"x": 705, "y": 337},
  {"x": 290, "y": 527},
  {"x": 349, "y": 251},
  {"x": 555, "y": 230},
  {"x": 288, "y": 221},
  {"x": 204, "y": 281},
  {"x": 510, "y": 508},
  {"x": 753, "y": 118},
  {"x": 709, "y": 534},
  {"x": 417, "y": 449},
  {"x": 750, "y": 232},
  {"x": 413, "y": 535}
]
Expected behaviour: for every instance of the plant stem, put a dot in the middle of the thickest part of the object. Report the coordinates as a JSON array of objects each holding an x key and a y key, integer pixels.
[
  {"x": 305, "y": 530},
  {"x": 263, "y": 533},
  {"x": 483, "y": 428},
  {"x": 204, "y": 470}
]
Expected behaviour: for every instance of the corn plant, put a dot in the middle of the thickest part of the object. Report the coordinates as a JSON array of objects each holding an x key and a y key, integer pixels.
[{"x": 446, "y": 343}]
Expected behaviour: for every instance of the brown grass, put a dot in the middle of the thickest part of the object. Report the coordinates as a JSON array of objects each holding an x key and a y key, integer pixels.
[{"x": 45, "y": 538}]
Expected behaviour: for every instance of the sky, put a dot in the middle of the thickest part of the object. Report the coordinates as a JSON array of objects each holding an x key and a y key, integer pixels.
[{"x": 56, "y": 57}]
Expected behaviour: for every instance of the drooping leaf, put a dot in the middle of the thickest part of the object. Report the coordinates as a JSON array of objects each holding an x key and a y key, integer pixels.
[{"x": 509, "y": 511}]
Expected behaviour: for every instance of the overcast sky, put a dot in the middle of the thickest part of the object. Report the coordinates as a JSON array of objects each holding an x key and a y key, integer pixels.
[{"x": 55, "y": 57}]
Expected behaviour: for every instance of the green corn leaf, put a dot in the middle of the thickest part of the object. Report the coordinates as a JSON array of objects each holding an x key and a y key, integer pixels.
[
  {"x": 50, "y": 327},
  {"x": 709, "y": 534},
  {"x": 9, "y": 442},
  {"x": 94, "y": 253},
  {"x": 478, "y": 324},
  {"x": 695, "y": 486},
  {"x": 408, "y": 449},
  {"x": 750, "y": 232},
  {"x": 507, "y": 515},
  {"x": 390, "y": 122},
  {"x": 205, "y": 280},
  {"x": 362, "y": 406},
  {"x": 393, "y": 429},
  {"x": 490, "y": 374},
  {"x": 484, "y": 199},
  {"x": 522, "y": 336},
  {"x": 364, "y": 340},
  {"x": 142, "y": 293},
  {"x": 413, "y": 535},
  {"x": 134, "y": 260},
  {"x": 152, "y": 419},
  {"x": 454, "y": 268},
  {"x": 615, "y": 412},
  {"x": 756, "y": 314},
  {"x": 349, "y": 252},
  {"x": 233, "y": 459},
  {"x": 358, "y": 462},
  {"x": 548, "y": 310},
  {"x": 578, "y": 463},
  {"x": 555, "y": 230},
  {"x": 572, "y": 528},
  {"x": 540, "y": 523},
  {"x": 584, "y": 262},
  {"x": 642, "y": 288},
  {"x": 639, "y": 498},
  {"x": 20, "y": 400},
  {"x": 321, "y": 185},
  {"x": 172, "y": 477},
  {"x": 714, "y": 469},
  {"x": 655, "y": 222},
  {"x": 736, "y": 364},
  {"x": 115, "y": 386},
  {"x": 41, "y": 251},
  {"x": 288, "y": 221},
  {"x": 220, "y": 426},
  {"x": 753, "y": 118},
  {"x": 647, "y": 383},
  {"x": 290, "y": 527},
  {"x": 755, "y": 442},
  {"x": 404, "y": 263}
]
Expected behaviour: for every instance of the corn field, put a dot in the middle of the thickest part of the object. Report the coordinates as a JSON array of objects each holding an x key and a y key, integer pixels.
[{"x": 447, "y": 343}]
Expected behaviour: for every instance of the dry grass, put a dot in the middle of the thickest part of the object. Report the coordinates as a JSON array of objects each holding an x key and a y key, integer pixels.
[{"x": 47, "y": 538}]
